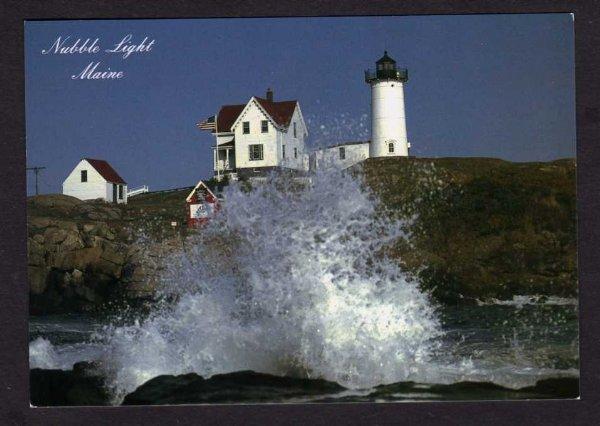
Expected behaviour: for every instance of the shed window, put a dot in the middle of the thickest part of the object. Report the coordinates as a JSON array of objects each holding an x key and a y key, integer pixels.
[
  {"x": 246, "y": 127},
  {"x": 120, "y": 192},
  {"x": 391, "y": 147},
  {"x": 84, "y": 175},
  {"x": 342, "y": 153},
  {"x": 255, "y": 152},
  {"x": 264, "y": 126}
]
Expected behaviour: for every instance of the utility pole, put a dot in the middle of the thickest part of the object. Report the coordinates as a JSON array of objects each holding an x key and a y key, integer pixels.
[{"x": 36, "y": 170}]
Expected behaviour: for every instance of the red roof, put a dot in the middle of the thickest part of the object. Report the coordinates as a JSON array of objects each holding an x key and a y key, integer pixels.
[
  {"x": 227, "y": 116},
  {"x": 105, "y": 170},
  {"x": 280, "y": 112}
]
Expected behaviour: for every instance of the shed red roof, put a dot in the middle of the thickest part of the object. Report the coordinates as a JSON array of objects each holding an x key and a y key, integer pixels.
[
  {"x": 280, "y": 112},
  {"x": 105, "y": 170}
]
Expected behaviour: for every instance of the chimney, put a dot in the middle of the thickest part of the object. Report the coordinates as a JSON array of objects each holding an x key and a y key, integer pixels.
[{"x": 269, "y": 95}]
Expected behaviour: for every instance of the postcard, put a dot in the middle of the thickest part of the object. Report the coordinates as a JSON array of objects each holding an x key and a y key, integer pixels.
[{"x": 301, "y": 210}]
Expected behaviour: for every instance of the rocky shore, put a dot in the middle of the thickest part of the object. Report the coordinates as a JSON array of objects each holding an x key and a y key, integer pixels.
[
  {"x": 85, "y": 255},
  {"x": 479, "y": 229}
]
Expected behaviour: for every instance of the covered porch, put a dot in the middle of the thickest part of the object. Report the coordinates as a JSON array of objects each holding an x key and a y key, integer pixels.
[{"x": 224, "y": 160}]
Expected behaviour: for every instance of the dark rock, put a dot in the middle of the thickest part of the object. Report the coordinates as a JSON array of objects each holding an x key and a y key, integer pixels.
[
  {"x": 552, "y": 388},
  {"x": 567, "y": 387},
  {"x": 561, "y": 387},
  {"x": 243, "y": 386},
  {"x": 80, "y": 386},
  {"x": 54, "y": 200},
  {"x": 37, "y": 279}
]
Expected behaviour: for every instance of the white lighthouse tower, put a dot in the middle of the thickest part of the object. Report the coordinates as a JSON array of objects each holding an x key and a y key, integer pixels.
[{"x": 388, "y": 121}]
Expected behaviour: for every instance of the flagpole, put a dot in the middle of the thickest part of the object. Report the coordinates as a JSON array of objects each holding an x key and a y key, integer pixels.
[{"x": 217, "y": 145}]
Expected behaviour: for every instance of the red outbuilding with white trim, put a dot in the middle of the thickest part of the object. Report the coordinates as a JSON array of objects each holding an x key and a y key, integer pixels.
[{"x": 202, "y": 205}]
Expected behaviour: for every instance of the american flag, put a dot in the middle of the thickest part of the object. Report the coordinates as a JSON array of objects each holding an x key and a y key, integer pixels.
[{"x": 208, "y": 124}]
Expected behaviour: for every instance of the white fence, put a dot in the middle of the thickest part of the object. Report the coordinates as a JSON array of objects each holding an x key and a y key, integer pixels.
[{"x": 137, "y": 191}]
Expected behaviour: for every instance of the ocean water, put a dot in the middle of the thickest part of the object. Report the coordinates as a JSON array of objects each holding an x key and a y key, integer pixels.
[{"x": 291, "y": 281}]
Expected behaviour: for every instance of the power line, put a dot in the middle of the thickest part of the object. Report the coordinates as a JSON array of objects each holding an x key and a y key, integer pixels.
[{"x": 36, "y": 171}]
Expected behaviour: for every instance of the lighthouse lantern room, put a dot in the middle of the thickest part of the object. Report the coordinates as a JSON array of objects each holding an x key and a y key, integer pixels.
[{"x": 388, "y": 120}]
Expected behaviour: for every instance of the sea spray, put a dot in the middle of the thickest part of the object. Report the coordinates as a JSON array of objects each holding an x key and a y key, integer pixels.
[{"x": 290, "y": 279}]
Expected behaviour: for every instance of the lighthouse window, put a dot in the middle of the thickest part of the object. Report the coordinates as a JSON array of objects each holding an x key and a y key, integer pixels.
[
  {"x": 391, "y": 147},
  {"x": 342, "y": 153},
  {"x": 256, "y": 152},
  {"x": 246, "y": 127},
  {"x": 264, "y": 126},
  {"x": 282, "y": 151},
  {"x": 84, "y": 175}
]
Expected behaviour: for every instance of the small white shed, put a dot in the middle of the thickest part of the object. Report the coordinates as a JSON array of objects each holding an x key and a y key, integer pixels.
[{"x": 92, "y": 179}]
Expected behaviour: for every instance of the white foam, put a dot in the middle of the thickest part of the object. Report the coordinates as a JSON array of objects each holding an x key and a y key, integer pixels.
[
  {"x": 522, "y": 300},
  {"x": 298, "y": 289},
  {"x": 43, "y": 354}
]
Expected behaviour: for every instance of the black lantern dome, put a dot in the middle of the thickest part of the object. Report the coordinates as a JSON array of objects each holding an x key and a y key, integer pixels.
[
  {"x": 386, "y": 60},
  {"x": 385, "y": 69}
]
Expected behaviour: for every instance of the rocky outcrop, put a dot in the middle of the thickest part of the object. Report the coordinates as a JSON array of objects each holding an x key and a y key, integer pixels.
[
  {"x": 83, "y": 255},
  {"x": 242, "y": 386},
  {"x": 482, "y": 228},
  {"x": 550, "y": 388},
  {"x": 82, "y": 385}
]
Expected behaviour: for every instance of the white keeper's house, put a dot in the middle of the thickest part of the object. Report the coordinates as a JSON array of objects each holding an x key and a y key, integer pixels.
[
  {"x": 257, "y": 137},
  {"x": 95, "y": 179}
]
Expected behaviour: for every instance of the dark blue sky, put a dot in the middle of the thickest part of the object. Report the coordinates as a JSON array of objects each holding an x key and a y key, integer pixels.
[{"x": 487, "y": 85}]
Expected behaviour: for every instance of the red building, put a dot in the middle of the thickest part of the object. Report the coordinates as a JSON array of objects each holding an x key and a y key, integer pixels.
[{"x": 202, "y": 205}]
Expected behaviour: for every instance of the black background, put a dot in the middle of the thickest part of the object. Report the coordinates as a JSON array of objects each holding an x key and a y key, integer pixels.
[{"x": 14, "y": 369}]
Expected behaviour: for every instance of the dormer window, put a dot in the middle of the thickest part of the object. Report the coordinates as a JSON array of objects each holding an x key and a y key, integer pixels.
[
  {"x": 246, "y": 127},
  {"x": 264, "y": 126},
  {"x": 84, "y": 175}
]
